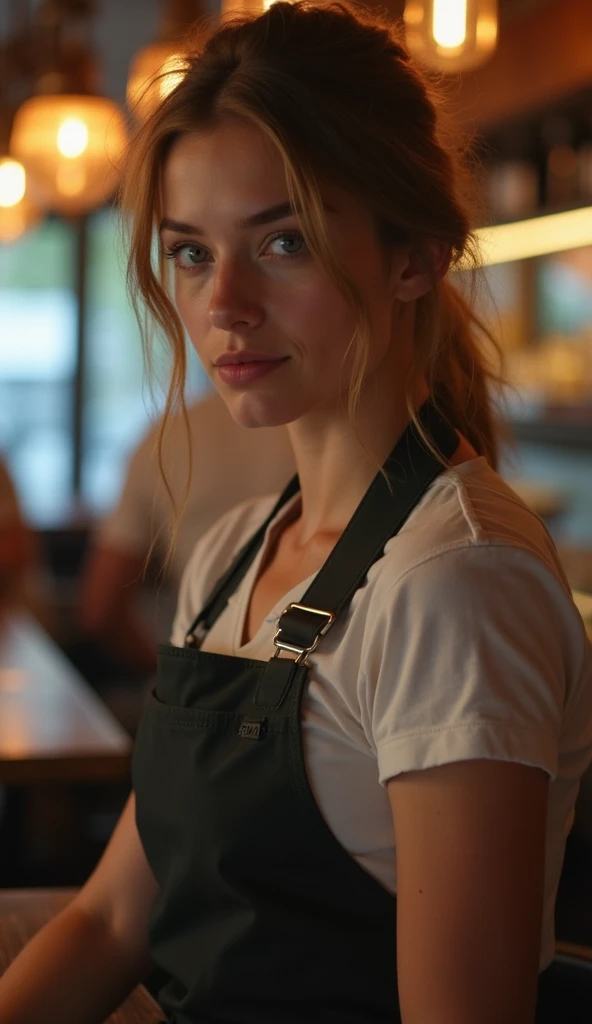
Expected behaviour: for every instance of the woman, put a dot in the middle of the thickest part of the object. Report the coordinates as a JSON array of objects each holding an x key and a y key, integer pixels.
[{"x": 427, "y": 718}]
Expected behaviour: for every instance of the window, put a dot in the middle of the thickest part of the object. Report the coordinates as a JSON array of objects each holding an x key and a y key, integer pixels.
[
  {"x": 40, "y": 369},
  {"x": 119, "y": 403}
]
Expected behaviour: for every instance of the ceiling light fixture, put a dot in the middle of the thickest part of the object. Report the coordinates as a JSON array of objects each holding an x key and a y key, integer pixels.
[
  {"x": 538, "y": 236},
  {"x": 69, "y": 138},
  {"x": 451, "y": 35},
  {"x": 158, "y": 68}
]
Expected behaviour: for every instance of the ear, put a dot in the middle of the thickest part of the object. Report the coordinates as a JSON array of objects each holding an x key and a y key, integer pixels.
[{"x": 416, "y": 272}]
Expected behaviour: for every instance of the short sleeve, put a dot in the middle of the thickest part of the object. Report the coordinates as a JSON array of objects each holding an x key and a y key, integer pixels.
[
  {"x": 470, "y": 657},
  {"x": 130, "y": 526}
]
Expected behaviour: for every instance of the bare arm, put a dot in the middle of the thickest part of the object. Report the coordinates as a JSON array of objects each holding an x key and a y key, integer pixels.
[
  {"x": 84, "y": 963},
  {"x": 109, "y": 587},
  {"x": 470, "y": 840}
]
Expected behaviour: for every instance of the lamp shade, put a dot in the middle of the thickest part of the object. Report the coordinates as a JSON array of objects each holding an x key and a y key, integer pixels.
[
  {"x": 71, "y": 147},
  {"x": 155, "y": 72},
  {"x": 451, "y": 35},
  {"x": 230, "y": 7},
  {"x": 17, "y": 211}
]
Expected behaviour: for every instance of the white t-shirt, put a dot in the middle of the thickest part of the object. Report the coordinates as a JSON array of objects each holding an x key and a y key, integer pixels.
[
  {"x": 463, "y": 643},
  {"x": 228, "y": 464}
]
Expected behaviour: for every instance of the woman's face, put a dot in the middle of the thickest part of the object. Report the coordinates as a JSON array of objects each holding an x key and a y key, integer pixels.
[{"x": 268, "y": 323}]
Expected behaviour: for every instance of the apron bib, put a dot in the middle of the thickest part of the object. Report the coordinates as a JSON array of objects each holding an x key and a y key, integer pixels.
[{"x": 262, "y": 916}]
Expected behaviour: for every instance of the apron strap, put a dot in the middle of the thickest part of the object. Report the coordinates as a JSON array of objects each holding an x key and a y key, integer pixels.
[
  {"x": 230, "y": 580},
  {"x": 409, "y": 469}
]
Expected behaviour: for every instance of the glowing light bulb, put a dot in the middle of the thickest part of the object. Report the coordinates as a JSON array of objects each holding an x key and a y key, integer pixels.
[
  {"x": 450, "y": 23},
  {"x": 71, "y": 148},
  {"x": 72, "y": 137},
  {"x": 451, "y": 35},
  {"x": 13, "y": 182}
]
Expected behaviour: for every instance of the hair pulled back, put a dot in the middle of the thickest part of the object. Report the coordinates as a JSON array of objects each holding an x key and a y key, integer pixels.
[{"x": 335, "y": 90}]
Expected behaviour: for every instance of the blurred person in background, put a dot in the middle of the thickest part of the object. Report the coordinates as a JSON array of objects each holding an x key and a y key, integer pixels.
[
  {"x": 228, "y": 465},
  {"x": 20, "y": 582}
]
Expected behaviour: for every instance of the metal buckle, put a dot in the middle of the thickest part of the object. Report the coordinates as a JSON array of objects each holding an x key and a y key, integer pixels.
[{"x": 302, "y": 652}]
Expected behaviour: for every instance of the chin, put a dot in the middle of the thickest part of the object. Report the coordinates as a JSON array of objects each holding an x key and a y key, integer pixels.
[{"x": 252, "y": 411}]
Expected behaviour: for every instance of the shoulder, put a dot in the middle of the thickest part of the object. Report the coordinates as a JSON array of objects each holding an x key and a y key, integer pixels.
[
  {"x": 469, "y": 510},
  {"x": 212, "y": 555},
  {"x": 470, "y": 631},
  {"x": 473, "y": 555},
  {"x": 204, "y": 429},
  {"x": 203, "y": 416}
]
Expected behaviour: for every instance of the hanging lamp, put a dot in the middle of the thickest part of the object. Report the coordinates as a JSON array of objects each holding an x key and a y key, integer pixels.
[
  {"x": 159, "y": 67},
  {"x": 69, "y": 138},
  {"x": 18, "y": 212},
  {"x": 238, "y": 6},
  {"x": 451, "y": 35}
]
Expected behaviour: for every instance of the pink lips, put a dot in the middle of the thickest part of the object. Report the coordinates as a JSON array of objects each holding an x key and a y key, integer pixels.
[{"x": 242, "y": 367}]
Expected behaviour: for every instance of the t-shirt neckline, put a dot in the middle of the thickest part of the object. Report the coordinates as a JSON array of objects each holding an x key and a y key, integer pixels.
[{"x": 242, "y": 596}]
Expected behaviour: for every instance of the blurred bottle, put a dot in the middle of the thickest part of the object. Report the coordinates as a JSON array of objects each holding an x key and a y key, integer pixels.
[
  {"x": 562, "y": 186},
  {"x": 512, "y": 189},
  {"x": 585, "y": 171}
]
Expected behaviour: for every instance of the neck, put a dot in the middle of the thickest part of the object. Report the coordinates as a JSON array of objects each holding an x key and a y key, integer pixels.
[{"x": 337, "y": 459}]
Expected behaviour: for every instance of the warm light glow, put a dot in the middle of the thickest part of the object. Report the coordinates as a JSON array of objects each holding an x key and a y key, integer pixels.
[
  {"x": 13, "y": 182},
  {"x": 486, "y": 32},
  {"x": 451, "y": 35},
  {"x": 72, "y": 137},
  {"x": 232, "y": 7},
  {"x": 71, "y": 148},
  {"x": 525, "y": 239},
  {"x": 413, "y": 13},
  {"x": 17, "y": 212},
  {"x": 450, "y": 22},
  {"x": 155, "y": 72},
  {"x": 71, "y": 179}
]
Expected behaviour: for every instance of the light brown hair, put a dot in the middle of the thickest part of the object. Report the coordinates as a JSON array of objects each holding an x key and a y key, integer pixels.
[{"x": 334, "y": 88}]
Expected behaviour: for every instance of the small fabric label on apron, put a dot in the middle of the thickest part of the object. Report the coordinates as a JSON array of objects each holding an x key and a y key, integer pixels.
[{"x": 252, "y": 728}]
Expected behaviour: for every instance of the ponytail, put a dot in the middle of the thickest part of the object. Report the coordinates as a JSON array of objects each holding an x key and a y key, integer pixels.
[{"x": 461, "y": 373}]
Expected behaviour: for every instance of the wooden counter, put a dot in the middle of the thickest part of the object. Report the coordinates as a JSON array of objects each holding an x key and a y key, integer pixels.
[{"x": 53, "y": 727}]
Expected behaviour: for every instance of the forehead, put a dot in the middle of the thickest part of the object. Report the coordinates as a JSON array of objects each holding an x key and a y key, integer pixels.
[{"x": 233, "y": 160}]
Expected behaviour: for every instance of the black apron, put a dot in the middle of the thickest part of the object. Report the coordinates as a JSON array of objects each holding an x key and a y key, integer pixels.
[{"x": 262, "y": 916}]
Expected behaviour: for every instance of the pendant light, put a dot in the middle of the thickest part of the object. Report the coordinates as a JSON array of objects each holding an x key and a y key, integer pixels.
[
  {"x": 69, "y": 138},
  {"x": 17, "y": 211},
  {"x": 238, "y": 6},
  {"x": 451, "y": 35},
  {"x": 159, "y": 67}
]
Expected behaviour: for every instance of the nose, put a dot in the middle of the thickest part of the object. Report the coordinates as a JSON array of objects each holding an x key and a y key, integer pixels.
[{"x": 234, "y": 302}]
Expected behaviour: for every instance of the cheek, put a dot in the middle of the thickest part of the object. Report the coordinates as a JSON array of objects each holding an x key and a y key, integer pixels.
[
  {"x": 192, "y": 306},
  {"x": 321, "y": 317}
]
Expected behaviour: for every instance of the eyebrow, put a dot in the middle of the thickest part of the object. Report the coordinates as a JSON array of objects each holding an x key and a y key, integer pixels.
[{"x": 272, "y": 213}]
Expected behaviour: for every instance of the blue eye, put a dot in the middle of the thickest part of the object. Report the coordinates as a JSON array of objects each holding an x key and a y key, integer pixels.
[
  {"x": 291, "y": 243},
  {"x": 186, "y": 255}
]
